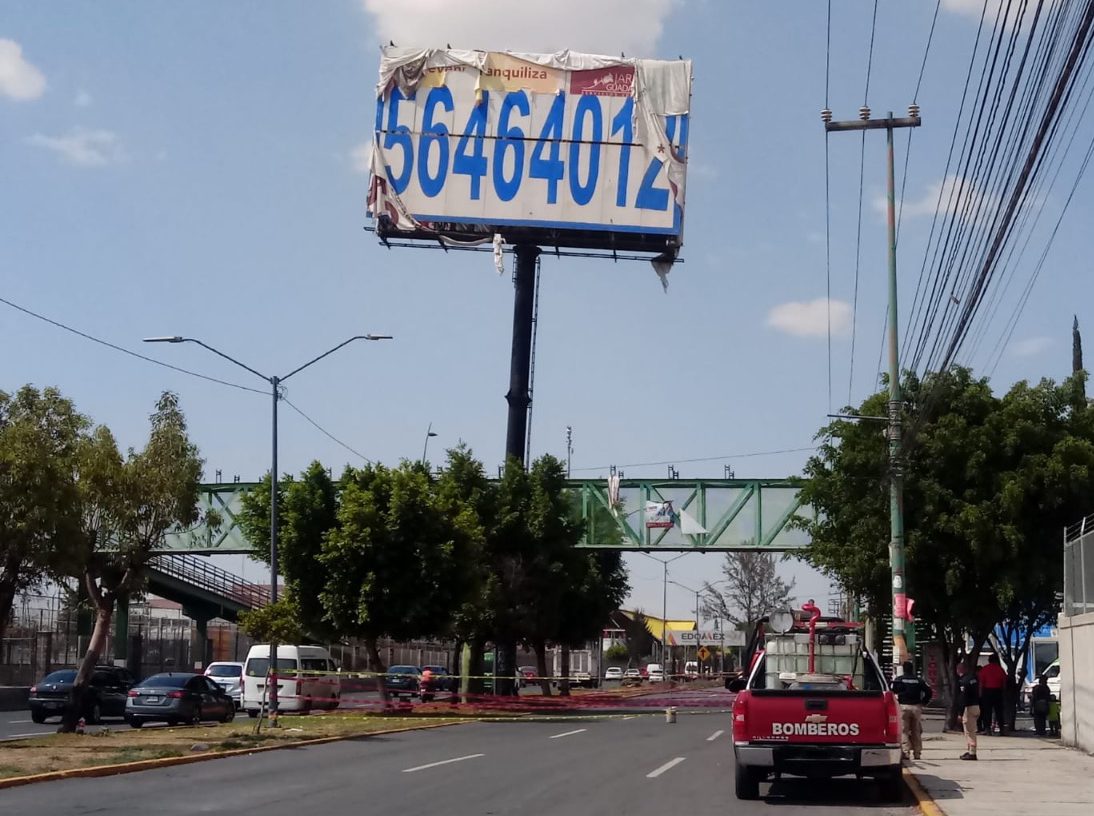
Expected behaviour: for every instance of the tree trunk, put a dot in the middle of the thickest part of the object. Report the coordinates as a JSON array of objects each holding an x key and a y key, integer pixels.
[
  {"x": 7, "y": 601},
  {"x": 104, "y": 609},
  {"x": 540, "y": 648},
  {"x": 564, "y": 670},
  {"x": 475, "y": 669},
  {"x": 379, "y": 667}
]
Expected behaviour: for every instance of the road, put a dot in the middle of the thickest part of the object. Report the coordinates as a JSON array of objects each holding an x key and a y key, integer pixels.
[{"x": 634, "y": 764}]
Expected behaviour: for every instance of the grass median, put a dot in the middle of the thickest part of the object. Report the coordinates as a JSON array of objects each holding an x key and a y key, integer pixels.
[{"x": 66, "y": 752}]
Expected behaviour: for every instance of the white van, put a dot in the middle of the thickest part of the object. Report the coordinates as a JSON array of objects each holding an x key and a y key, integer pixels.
[{"x": 306, "y": 678}]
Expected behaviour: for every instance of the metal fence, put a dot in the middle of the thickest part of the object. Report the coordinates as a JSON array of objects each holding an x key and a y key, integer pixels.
[{"x": 1079, "y": 568}]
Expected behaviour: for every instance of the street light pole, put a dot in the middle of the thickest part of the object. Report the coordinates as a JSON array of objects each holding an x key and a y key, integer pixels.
[
  {"x": 428, "y": 435},
  {"x": 275, "y": 391}
]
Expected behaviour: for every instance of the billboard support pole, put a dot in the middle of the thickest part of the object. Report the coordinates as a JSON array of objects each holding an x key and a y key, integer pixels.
[{"x": 519, "y": 399}]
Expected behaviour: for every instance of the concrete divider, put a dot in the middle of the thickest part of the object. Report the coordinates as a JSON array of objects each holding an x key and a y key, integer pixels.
[{"x": 13, "y": 698}]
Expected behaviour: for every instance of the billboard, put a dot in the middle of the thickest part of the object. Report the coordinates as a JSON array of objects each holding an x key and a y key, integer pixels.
[{"x": 559, "y": 150}]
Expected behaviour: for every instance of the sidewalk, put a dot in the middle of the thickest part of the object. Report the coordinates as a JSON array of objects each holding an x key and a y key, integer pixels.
[{"x": 1022, "y": 773}]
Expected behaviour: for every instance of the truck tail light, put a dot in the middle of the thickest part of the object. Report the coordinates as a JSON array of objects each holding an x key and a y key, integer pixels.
[
  {"x": 892, "y": 718},
  {"x": 740, "y": 718}
]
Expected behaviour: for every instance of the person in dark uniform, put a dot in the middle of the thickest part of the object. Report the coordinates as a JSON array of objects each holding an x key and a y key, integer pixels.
[
  {"x": 912, "y": 694},
  {"x": 1040, "y": 702},
  {"x": 968, "y": 704}
]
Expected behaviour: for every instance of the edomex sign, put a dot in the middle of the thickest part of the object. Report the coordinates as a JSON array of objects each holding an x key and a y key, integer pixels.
[{"x": 559, "y": 149}]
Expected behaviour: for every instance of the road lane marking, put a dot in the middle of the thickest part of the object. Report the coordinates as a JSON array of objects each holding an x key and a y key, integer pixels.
[
  {"x": 568, "y": 733},
  {"x": 715, "y": 736},
  {"x": 19, "y": 722},
  {"x": 630, "y": 716},
  {"x": 442, "y": 762},
  {"x": 668, "y": 766}
]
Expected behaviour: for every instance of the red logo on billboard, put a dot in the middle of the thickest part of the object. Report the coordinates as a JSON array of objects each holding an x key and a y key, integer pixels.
[{"x": 615, "y": 81}]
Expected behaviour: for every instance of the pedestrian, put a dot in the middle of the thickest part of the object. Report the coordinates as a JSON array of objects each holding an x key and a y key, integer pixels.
[
  {"x": 1039, "y": 703},
  {"x": 912, "y": 694},
  {"x": 993, "y": 681},
  {"x": 968, "y": 704}
]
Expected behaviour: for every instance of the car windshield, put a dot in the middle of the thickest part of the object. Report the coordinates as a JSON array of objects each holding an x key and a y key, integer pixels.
[
  {"x": 225, "y": 671},
  {"x": 65, "y": 676},
  {"x": 403, "y": 670},
  {"x": 259, "y": 666},
  {"x": 167, "y": 680}
]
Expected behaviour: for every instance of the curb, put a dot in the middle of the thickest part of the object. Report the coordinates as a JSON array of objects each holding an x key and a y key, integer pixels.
[
  {"x": 204, "y": 756},
  {"x": 927, "y": 805}
]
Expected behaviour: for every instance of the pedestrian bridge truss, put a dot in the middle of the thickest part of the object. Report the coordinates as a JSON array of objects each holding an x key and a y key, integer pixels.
[{"x": 705, "y": 514}]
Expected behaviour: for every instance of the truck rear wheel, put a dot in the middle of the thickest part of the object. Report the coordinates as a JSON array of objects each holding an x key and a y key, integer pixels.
[
  {"x": 747, "y": 783},
  {"x": 892, "y": 787}
]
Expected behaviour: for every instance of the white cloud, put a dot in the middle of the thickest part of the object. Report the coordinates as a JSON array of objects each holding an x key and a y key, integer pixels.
[
  {"x": 83, "y": 99},
  {"x": 19, "y": 79},
  {"x": 1030, "y": 347},
  {"x": 605, "y": 27},
  {"x": 82, "y": 147},
  {"x": 361, "y": 157},
  {"x": 958, "y": 197},
  {"x": 810, "y": 318}
]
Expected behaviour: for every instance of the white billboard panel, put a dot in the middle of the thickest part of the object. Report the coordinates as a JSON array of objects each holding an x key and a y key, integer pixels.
[{"x": 561, "y": 150}]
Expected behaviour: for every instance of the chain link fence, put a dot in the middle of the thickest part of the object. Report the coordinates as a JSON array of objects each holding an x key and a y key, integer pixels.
[{"x": 1079, "y": 568}]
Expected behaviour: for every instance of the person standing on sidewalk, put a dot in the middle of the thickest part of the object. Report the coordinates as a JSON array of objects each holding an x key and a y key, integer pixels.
[
  {"x": 968, "y": 703},
  {"x": 1040, "y": 702},
  {"x": 993, "y": 681},
  {"x": 912, "y": 694}
]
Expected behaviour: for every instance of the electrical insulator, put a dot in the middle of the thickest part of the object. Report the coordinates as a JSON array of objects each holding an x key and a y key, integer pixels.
[
  {"x": 864, "y": 113},
  {"x": 913, "y": 111},
  {"x": 826, "y": 116}
]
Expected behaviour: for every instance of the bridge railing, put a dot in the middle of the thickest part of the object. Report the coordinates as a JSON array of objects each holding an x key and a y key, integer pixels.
[{"x": 197, "y": 571}]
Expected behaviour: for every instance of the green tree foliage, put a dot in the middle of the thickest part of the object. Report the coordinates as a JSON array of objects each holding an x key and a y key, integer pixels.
[
  {"x": 275, "y": 623},
  {"x": 40, "y": 433},
  {"x": 989, "y": 483},
  {"x": 307, "y": 510},
  {"x": 127, "y": 505}
]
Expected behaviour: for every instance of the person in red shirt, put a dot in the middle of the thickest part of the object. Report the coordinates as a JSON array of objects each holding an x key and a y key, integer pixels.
[{"x": 993, "y": 681}]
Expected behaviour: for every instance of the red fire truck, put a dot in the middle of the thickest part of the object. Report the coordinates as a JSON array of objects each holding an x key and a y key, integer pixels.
[{"x": 814, "y": 704}]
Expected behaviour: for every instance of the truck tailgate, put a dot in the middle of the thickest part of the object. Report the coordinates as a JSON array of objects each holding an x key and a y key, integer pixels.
[{"x": 856, "y": 717}]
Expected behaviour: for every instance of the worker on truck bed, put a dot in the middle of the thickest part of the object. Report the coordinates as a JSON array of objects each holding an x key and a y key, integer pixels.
[{"x": 912, "y": 694}]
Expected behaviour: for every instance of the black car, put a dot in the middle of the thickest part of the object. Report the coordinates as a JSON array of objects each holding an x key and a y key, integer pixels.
[
  {"x": 178, "y": 697},
  {"x": 403, "y": 681},
  {"x": 105, "y": 695}
]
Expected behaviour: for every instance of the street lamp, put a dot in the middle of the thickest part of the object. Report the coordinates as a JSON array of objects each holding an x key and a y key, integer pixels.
[
  {"x": 664, "y": 600},
  {"x": 275, "y": 391},
  {"x": 429, "y": 434}
]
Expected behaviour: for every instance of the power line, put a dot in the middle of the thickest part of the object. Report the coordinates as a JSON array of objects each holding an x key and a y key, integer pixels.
[
  {"x": 124, "y": 350},
  {"x": 700, "y": 459},
  {"x": 324, "y": 431}
]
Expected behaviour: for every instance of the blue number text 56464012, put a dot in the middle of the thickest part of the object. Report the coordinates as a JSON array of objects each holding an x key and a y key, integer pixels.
[{"x": 571, "y": 161}]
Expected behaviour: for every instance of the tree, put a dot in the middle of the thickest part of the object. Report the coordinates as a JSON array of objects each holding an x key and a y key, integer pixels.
[
  {"x": 127, "y": 506},
  {"x": 40, "y": 433},
  {"x": 989, "y": 482},
  {"x": 753, "y": 589},
  {"x": 595, "y": 584},
  {"x": 275, "y": 623},
  {"x": 391, "y": 562},
  {"x": 307, "y": 510}
]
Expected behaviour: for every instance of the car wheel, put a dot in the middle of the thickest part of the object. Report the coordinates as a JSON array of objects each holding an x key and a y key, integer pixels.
[
  {"x": 229, "y": 715},
  {"x": 252, "y": 713},
  {"x": 135, "y": 723},
  {"x": 38, "y": 717},
  {"x": 747, "y": 785},
  {"x": 94, "y": 714}
]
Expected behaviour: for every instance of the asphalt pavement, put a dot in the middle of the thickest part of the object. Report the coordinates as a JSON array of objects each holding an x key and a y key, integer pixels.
[{"x": 620, "y": 763}]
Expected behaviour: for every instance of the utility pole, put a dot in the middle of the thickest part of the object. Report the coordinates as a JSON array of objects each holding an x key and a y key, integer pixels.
[{"x": 896, "y": 475}]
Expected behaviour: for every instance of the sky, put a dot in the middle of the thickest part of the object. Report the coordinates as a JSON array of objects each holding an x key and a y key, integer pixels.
[{"x": 196, "y": 169}]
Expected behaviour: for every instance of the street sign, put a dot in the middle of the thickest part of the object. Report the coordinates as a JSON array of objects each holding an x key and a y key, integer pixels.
[{"x": 704, "y": 653}]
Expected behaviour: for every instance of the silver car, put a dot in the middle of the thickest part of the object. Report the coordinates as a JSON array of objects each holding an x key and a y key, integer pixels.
[{"x": 178, "y": 698}]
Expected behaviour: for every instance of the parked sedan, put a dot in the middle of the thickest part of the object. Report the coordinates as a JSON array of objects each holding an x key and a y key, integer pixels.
[
  {"x": 103, "y": 697},
  {"x": 442, "y": 680},
  {"x": 229, "y": 676},
  {"x": 632, "y": 674},
  {"x": 178, "y": 697},
  {"x": 613, "y": 673},
  {"x": 403, "y": 681}
]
